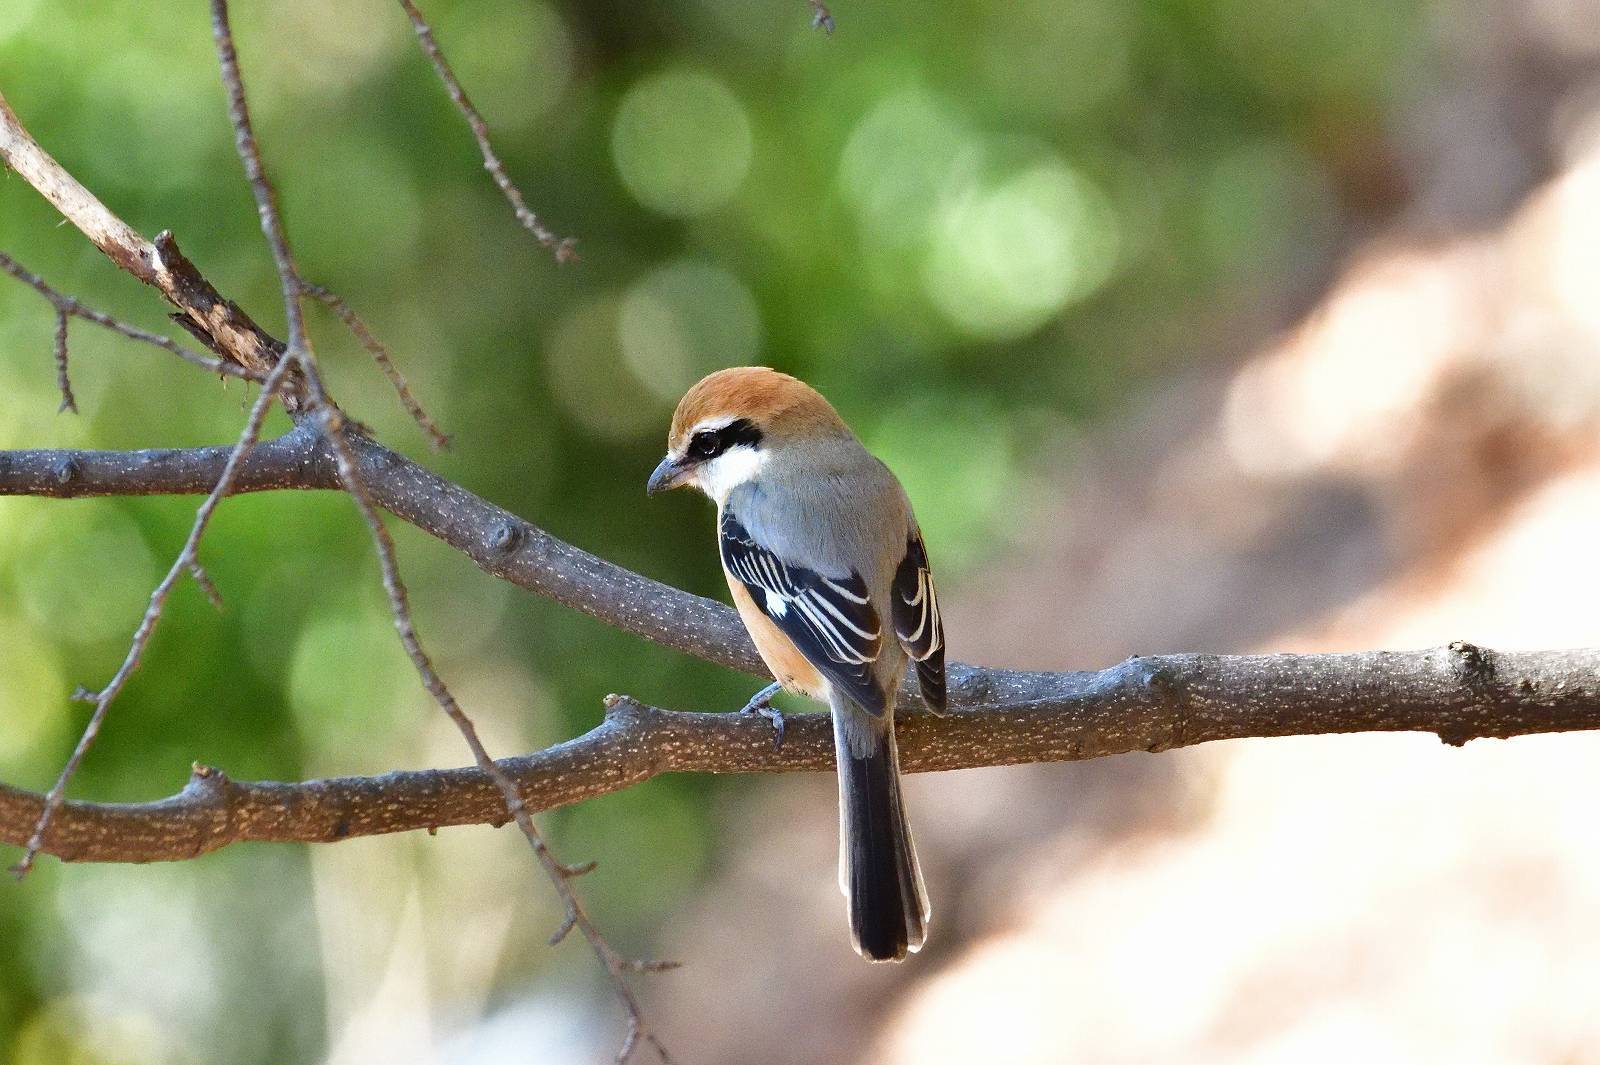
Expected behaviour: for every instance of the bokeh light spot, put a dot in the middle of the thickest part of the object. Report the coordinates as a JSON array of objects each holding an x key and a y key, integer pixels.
[
  {"x": 590, "y": 380},
  {"x": 15, "y": 16},
  {"x": 683, "y": 320},
  {"x": 1572, "y": 266},
  {"x": 1007, "y": 256},
  {"x": 518, "y": 63},
  {"x": 321, "y": 49},
  {"x": 33, "y": 696},
  {"x": 681, "y": 142},
  {"x": 1062, "y": 57},
  {"x": 142, "y": 948},
  {"x": 89, "y": 578},
  {"x": 1257, "y": 201},
  {"x": 955, "y": 458},
  {"x": 897, "y": 163},
  {"x": 86, "y": 1030},
  {"x": 355, "y": 653}
]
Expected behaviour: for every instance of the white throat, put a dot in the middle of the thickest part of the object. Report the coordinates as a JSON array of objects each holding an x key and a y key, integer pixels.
[{"x": 735, "y": 466}]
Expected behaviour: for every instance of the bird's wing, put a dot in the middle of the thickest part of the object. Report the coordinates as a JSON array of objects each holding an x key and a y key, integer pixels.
[
  {"x": 830, "y": 620},
  {"x": 915, "y": 612}
]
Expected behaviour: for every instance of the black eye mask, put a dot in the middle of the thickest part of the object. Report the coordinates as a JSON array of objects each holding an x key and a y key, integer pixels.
[{"x": 709, "y": 443}]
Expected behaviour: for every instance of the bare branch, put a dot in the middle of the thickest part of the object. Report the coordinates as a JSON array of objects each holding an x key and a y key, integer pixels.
[
  {"x": 1458, "y": 692},
  {"x": 186, "y": 561},
  {"x": 207, "y": 585},
  {"x": 500, "y": 542},
  {"x": 334, "y": 430},
  {"x": 63, "y": 382},
  {"x": 821, "y": 17},
  {"x": 226, "y": 329},
  {"x": 614, "y": 963},
  {"x": 68, "y": 305},
  {"x": 120, "y": 242},
  {"x": 564, "y": 248},
  {"x": 244, "y": 139},
  {"x": 380, "y": 355}
]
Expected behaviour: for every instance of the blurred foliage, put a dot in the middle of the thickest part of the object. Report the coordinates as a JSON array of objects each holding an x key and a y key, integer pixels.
[{"x": 972, "y": 225}]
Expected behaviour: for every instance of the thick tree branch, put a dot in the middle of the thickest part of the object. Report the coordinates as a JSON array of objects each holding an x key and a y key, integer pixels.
[
  {"x": 1459, "y": 692},
  {"x": 497, "y": 540},
  {"x": 188, "y": 561},
  {"x": 515, "y": 550}
]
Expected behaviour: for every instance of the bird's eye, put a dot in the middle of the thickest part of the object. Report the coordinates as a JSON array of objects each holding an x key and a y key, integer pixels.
[{"x": 705, "y": 444}]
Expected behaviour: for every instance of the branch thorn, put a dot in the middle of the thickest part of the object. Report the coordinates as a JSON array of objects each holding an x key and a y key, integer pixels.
[{"x": 567, "y": 925}]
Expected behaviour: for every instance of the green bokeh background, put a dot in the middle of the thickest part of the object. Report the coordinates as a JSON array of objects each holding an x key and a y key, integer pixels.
[{"x": 977, "y": 227}]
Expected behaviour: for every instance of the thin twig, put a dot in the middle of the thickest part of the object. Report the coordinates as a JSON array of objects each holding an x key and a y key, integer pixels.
[
  {"x": 615, "y": 964},
  {"x": 152, "y": 615},
  {"x": 332, "y": 423},
  {"x": 207, "y": 585},
  {"x": 563, "y": 930},
  {"x": 65, "y": 304},
  {"x": 63, "y": 382},
  {"x": 564, "y": 248},
  {"x": 821, "y": 17},
  {"x": 244, "y": 139},
  {"x": 380, "y": 354}
]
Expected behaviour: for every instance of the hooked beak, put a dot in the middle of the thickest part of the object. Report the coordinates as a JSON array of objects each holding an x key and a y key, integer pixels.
[{"x": 669, "y": 475}]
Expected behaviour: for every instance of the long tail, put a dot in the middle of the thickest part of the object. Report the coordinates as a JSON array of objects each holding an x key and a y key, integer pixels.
[{"x": 878, "y": 870}]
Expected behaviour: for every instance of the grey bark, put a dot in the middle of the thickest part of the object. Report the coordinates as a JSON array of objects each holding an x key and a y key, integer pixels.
[{"x": 1459, "y": 692}]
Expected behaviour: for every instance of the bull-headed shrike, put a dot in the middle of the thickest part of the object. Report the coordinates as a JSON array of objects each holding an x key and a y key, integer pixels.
[{"x": 827, "y": 567}]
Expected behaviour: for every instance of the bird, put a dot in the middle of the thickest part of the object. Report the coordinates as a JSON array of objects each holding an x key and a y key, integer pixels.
[{"x": 827, "y": 567}]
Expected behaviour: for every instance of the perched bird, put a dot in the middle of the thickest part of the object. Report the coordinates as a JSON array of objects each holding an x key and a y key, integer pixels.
[{"x": 827, "y": 567}]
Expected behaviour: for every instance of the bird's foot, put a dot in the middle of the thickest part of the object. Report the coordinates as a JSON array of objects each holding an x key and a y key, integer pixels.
[{"x": 761, "y": 703}]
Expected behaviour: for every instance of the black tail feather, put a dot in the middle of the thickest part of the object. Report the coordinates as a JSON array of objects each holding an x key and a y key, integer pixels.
[{"x": 878, "y": 871}]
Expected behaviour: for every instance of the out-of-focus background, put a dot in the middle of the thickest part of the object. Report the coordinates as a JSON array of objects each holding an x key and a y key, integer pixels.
[{"x": 1189, "y": 325}]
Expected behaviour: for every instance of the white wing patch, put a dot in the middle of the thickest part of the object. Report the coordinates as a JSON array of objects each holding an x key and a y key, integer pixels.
[
  {"x": 925, "y": 607},
  {"x": 846, "y": 640},
  {"x": 831, "y": 620},
  {"x": 914, "y": 609},
  {"x": 844, "y": 592},
  {"x": 916, "y": 605}
]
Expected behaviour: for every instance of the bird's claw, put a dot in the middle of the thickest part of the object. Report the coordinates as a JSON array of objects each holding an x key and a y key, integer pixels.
[{"x": 761, "y": 704}]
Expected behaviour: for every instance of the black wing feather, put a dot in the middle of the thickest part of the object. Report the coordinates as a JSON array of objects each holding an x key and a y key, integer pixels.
[
  {"x": 917, "y": 624},
  {"x": 831, "y": 621}
]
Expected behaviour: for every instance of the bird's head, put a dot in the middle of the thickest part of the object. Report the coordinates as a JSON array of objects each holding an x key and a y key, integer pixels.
[{"x": 731, "y": 423}]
